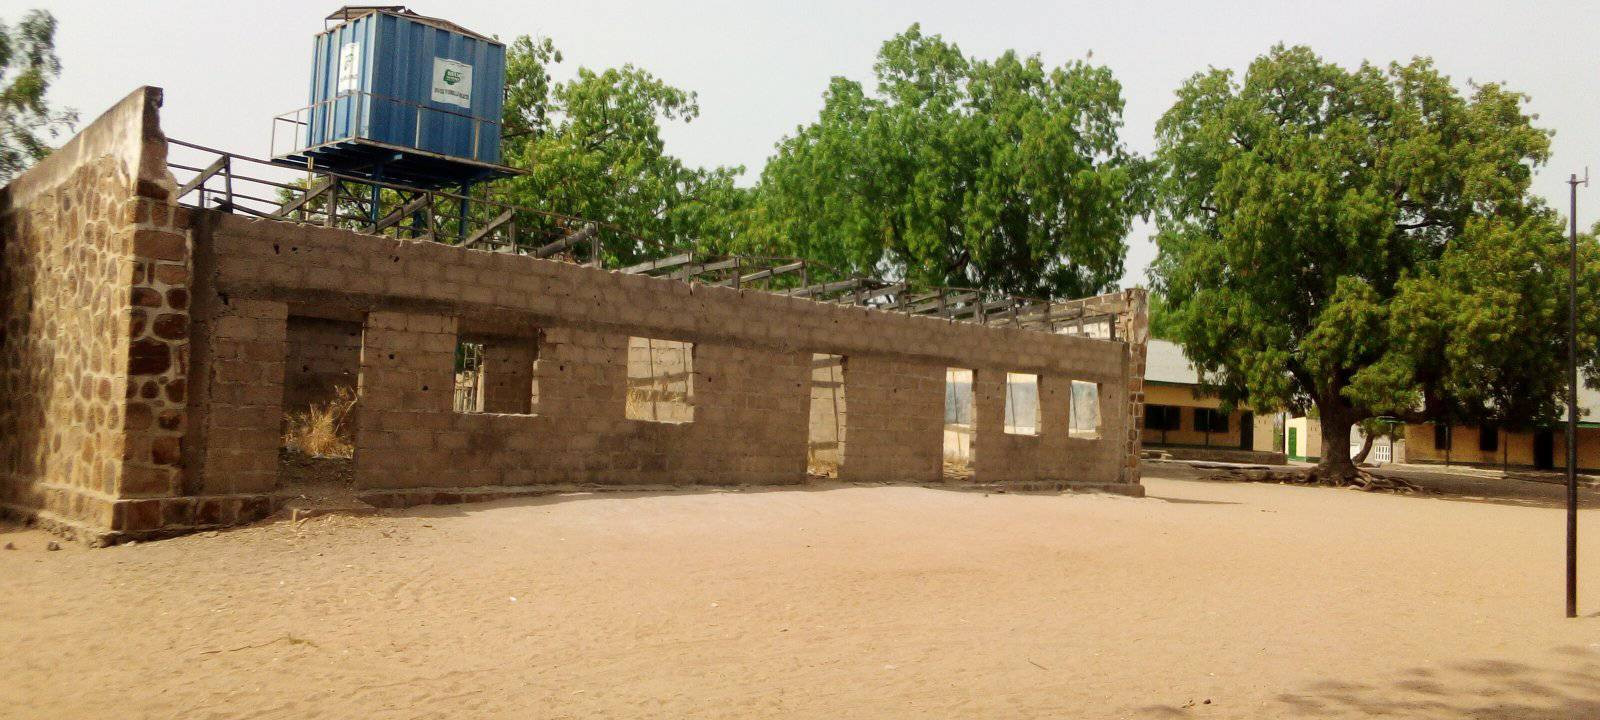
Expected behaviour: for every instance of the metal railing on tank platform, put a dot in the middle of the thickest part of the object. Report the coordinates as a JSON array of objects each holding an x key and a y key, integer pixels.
[
  {"x": 213, "y": 179},
  {"x": 357, "y": 115}
]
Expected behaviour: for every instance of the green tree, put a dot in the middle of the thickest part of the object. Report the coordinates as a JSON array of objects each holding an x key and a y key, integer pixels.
[
  {"x": 1361, "y": 242},
  {"x": 28, "y": 65},
  {"x": 1161, "y": 323},
  {"x": 592, "y": 148},
  {"x": 1002, "y": 174},
  {"x": 1480, "y": 335}
]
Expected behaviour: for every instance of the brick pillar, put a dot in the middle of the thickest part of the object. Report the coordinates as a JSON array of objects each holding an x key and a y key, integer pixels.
[
  {"x": 991, "y": 449},
  {"x": 407, "y": 380}
]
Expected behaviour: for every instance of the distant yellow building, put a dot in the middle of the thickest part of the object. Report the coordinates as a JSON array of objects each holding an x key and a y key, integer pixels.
[
  {"x": 1434, "y": 443},
  {"x": 1544, "y": 448},
  {"x": 1176, "y": 416},
  {"x": 1302, "y": 438}
]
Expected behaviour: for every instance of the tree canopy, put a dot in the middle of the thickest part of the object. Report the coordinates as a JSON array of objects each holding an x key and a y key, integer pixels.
[
  {"x": 1002, "y": 174},
  {"x": 1362, "y": 241},
  {"x": 28, "y": 66},
  {"x": 592, "y": 147}
]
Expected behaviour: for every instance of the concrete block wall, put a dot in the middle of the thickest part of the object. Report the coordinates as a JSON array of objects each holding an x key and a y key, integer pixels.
[
  {"x": 322, "y": 356},
  {"x": 896, "y": 423},
  {"x": 236, "y": 413},
  {"x": 752, "y": 365},
  {"x": 507, "y": 374},
  {"x": 752, "y": 369},
  {"x": 409, "y": 432},
  {"x": 1051, "y": 454}
]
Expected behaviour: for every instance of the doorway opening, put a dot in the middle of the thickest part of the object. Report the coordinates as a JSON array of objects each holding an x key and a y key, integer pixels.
[
  {"x": 826, "y": 436},
  {"x": 960, "y": 425},
  {"x": 1544, "y": 450}
]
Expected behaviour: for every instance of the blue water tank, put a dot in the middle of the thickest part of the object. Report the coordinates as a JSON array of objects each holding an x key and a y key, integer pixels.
[{"x": 401, "y": 97}]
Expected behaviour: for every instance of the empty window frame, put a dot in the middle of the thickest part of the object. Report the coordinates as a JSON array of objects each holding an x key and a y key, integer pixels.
[
  {"x": 1210, "y": 420},
  {"x": 960, "y": 423},
  {"x": 469, "y": 377},
  {"x": 497, "y": 375},
  {"x": 322, "y": 366},
  {"x": 660, "y": 381},
  {"x": 1022, "y": 404},
  {"x": 1488, "y": 438},
  {"x": 1084, "y": 409},
  {"x": 1163, "y": 417},
  {"x": 1441, "y": 436},
  {"x": 826, "y": 434}
]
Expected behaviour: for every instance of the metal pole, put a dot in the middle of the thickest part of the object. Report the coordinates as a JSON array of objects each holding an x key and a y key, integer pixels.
[
  {"x": 1572, "y": 402},
  {"x": 461, "y": 223},
  {"x": 375, "y": 197}
]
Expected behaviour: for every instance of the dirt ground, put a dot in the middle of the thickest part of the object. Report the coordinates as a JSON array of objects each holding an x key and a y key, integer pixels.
[{"x": 1204, "y": 600}]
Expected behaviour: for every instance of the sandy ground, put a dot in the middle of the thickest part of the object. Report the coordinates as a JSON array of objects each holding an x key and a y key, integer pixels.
[{"x": 1205, "y": 600}]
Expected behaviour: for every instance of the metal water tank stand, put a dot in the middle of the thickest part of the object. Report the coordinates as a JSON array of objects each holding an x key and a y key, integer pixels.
[
  {"x": 461, "y": 225},
  {"x": 372, "y": 210}
]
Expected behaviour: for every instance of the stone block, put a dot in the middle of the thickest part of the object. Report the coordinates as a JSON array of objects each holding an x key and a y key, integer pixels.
[
  {"x": 156, "y": 244},
  {"x": 139, "y": 515}
]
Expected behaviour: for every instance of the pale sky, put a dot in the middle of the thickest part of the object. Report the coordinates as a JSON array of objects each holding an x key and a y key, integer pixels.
[{"x": 760, "y": 67}]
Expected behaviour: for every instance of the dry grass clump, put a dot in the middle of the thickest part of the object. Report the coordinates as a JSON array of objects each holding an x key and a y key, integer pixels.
[
  {"x": 639, "y": 405},
  {"x": 323, "y": 429},
  {"x": 657, "y": 402},
  {"x": 957, "y": 469},
  {"x": 822, "y": 465}
]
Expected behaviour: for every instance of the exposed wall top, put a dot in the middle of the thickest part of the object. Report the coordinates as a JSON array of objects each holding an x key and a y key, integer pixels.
[
  {"x": 327, "y": 269},
  {"x": 129, "y": 131}
]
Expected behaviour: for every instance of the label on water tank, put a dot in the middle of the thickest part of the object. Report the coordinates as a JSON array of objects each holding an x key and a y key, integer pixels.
[
  {"x": 452, "y": 82},
  {"x": 349, "y": 68}
]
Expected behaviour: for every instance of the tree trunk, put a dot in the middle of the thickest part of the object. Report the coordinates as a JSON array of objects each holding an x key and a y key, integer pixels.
[
  {"x": 1335, "y": 466},
  {"x": 1366, "y": 447}
]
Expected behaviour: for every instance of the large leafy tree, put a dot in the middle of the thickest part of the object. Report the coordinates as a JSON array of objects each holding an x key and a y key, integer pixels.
[
  {"x": 1362, "y": 242},
  {"x": 28, "y": 66},
  {"x": 1003, "y": 174},
  {"x": 592, "y": 148},
  {"x": 1480, "y": 335}
]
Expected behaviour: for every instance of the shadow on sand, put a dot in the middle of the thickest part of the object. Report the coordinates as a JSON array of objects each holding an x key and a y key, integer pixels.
[{"x": 1566, "y": 688}]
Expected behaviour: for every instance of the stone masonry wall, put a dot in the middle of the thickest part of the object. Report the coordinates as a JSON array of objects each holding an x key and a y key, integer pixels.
[
  {"x": 93, "y": 290},
  {"x": 1134, "y": 328}
]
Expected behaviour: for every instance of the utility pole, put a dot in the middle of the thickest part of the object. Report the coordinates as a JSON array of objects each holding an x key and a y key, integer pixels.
[{"x": 1572, "y": 400}]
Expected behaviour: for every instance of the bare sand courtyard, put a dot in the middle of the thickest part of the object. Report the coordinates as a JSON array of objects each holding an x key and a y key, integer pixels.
[{"x": 1205, "y": 600}]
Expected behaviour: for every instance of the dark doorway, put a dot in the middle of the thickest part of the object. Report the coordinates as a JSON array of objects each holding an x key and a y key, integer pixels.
[
  {"x": 1247, "y": 431},
  {"x": 1544, "y": 450}
]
